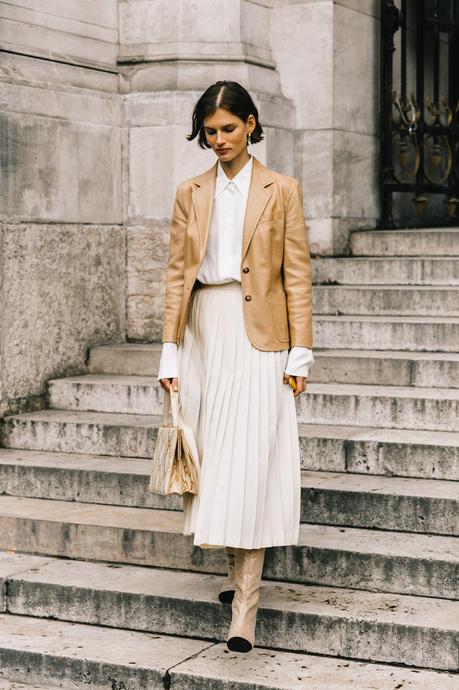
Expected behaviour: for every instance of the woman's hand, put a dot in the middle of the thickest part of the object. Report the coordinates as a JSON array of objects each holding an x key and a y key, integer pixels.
[
  {"x": 301, "y": 383},
  {"x": 167, "y": 383}
]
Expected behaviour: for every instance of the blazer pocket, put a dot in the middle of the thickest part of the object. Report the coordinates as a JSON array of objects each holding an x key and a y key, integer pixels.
[
  {"x": 279, "y": 315},
  {"x": 269, "y": 216}
]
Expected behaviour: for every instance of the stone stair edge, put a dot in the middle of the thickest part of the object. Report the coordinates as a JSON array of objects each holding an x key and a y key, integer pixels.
[
  {"x": 389, "y": 354},
  {"x": 389, "y": 406},
  {"x": 383, "y": 367},
  {"x": 210, "y": 667},
  {"x": 405, "y": 231},
  {"x": 389, "y": 287},
  {"x": 329, "y": 431},
  {"x": 339, "y": 499},
  {"x": 428, "y": 627},
  {"x": 362, "y": 449},
  {"x": 393, "y": 318},
  {"x": 328, "y": 317},
  {"x": 378, "y": 257},
  {"x": 122, "y": 578},
  {"x": 310, "y": 479},
  {"x": 370, "y": 541},
  {"x": 15, "y": 685},
  {"x": 336, "y": 352},
  {"x": 319, "y": 387}
]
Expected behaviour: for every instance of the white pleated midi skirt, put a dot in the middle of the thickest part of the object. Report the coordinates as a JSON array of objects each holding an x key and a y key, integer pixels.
[{"x": 244, "y": 421}]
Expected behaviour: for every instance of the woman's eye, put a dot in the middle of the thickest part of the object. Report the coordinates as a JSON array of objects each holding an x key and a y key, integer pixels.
[{"x": 212, "y": 131}]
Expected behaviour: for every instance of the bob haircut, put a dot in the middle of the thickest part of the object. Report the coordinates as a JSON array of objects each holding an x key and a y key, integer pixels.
[{"x": 232, "y": 97}]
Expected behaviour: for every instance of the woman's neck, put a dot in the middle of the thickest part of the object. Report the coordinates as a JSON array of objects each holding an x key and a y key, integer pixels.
[{"x": 231, "y": 168}]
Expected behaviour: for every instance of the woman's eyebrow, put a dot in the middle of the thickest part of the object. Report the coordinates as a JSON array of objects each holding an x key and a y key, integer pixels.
[{"x": 229, "y": 124}]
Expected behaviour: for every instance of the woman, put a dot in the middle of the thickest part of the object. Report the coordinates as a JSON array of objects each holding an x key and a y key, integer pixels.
[{"x": 237, "y": 323}]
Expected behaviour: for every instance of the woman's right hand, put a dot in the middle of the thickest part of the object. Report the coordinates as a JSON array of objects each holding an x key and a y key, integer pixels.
[{"x": 167, "y": 383}]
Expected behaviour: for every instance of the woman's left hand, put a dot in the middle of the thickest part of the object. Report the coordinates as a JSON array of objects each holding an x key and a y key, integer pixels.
[{"x": 301, "y": 383}]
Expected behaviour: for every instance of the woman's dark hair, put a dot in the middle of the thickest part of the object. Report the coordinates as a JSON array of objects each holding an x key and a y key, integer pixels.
[{"x": 232, "y": 97}]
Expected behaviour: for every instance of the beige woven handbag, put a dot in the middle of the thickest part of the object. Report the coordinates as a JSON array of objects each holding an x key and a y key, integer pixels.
[{"x": 175, "y": 465}]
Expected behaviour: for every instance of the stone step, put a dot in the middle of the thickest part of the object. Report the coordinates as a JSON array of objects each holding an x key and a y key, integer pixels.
[
  {"x": 388, "y": 333},
  {"x": 389, "y": 503},
  {"x": 412, "y": 333},
  {"x": 380, "y": 300},
  {"x": 407, "y": 270},
  {"x": 395, "y": 407},
  {"x": 425, "y": 369},
  {"x": 13, "y": 685},
  {"x": 416, "y": 242},
  {"x": 125, "y": 358},
  {"x": 419, "y": 369},
  {"x": 375, "y": 560},
  {"x": 107, "y": 393},
  {"x": 329, "y": 498},
  {"x": 53, "y": 651},
  {"x": 419, "y": 631},
  {"x": 398, "y": 407},
  {"x": 365, "y": 450},
  {"x": 371, "y": 451}
]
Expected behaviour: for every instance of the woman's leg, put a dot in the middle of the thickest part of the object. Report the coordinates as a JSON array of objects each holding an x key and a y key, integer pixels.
[{"x": 248, "y": 569}]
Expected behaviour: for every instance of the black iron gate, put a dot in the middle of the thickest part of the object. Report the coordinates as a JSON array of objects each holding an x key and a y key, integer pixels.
[{"x": 420, "y": 111}]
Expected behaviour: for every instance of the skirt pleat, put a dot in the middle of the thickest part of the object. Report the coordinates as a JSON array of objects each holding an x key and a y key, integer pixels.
[{"x": 244, "y": 421}]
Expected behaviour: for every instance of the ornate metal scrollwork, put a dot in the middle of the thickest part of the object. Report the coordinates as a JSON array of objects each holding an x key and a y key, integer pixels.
[{"x": 420, "y": 126}]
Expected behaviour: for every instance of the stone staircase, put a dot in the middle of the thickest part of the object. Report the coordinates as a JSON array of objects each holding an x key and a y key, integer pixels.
[{"x": 99, "y": 587}]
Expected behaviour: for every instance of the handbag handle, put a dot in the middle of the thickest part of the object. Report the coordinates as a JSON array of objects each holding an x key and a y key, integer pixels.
[{"x": 171, "y": 399}]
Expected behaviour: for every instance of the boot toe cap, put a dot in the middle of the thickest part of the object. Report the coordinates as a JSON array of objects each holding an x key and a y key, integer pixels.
[{"x": 239, "y": 644}]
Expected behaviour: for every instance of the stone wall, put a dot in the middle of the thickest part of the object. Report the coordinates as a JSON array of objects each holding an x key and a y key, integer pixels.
[
  {"x": 62, "y": 263},
  {"x": 60, "y": 294},
  {"x": 329, "y": 69}
]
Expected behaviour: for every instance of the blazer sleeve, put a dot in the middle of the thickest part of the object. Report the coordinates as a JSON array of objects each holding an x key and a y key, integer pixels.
[
  {"x": 175, "y": 270},
  {"x": 297, "y": 271}
]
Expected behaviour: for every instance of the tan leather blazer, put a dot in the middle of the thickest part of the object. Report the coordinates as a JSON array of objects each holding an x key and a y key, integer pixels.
[{"x": 275, "y": 262}]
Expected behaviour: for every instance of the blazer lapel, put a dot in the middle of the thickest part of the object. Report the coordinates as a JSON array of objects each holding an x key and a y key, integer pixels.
[
  {"x": 258, "y": 197},
  {"x": 203, "y": 197}
]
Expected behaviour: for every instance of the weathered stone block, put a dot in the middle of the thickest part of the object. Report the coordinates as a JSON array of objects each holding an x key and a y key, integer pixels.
[{"x": 63, "y": 289}]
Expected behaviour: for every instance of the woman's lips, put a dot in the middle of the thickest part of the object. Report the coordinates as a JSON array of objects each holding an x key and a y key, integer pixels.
[{"x": 222, "y": 150}]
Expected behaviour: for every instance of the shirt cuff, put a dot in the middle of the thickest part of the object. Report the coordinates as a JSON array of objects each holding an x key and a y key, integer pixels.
[
  {"x": 168, "y": 366},
  {"x": 300, "y": 360}
]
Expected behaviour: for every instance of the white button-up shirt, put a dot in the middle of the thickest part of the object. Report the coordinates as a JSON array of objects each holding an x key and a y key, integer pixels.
[{"x": 222, "y": 260}]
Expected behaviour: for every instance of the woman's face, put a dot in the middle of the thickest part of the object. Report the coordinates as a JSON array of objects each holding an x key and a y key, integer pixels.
[{"x": 227, "y": 134}]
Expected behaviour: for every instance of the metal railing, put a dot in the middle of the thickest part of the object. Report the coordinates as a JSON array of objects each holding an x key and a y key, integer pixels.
[{"x": 419, "y": 106}]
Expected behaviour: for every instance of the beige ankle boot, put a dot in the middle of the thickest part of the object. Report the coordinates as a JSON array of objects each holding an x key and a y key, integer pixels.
[
  {"x": 248, "y": 569},
  {"x": 226, "y": 593}
]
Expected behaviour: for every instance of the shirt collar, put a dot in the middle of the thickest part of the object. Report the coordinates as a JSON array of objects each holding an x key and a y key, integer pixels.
[{"x": 241, "y": 180}]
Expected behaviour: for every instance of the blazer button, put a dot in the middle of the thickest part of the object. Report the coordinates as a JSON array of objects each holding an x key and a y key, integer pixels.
[
  {"x": 248, "y": 297},
  {"x": 246, "y": 269}
]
